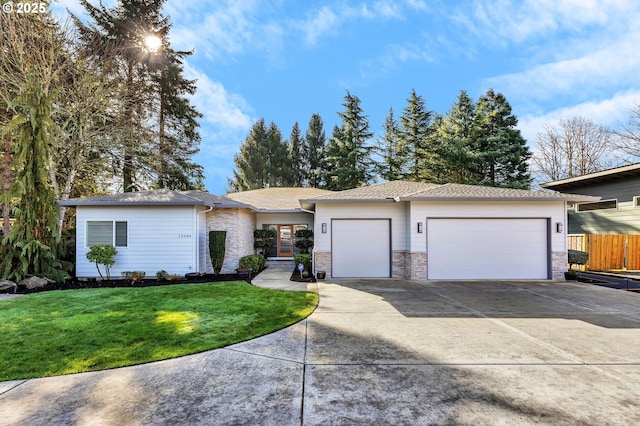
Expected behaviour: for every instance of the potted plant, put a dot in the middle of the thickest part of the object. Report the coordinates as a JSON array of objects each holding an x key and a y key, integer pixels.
[
  {"x": 304, "y": 240},
  {"x": 263, "y": 240}
]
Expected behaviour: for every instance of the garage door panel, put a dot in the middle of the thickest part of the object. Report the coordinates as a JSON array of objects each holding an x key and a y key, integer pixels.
[
  {"x": 360, "y": 248},
  {"x": 487, "y": 248}
]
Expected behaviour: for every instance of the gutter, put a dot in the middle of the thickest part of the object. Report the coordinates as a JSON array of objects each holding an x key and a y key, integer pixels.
[
  {"x": 313, "y": 252},
  {"x": 197, "y": 234}
]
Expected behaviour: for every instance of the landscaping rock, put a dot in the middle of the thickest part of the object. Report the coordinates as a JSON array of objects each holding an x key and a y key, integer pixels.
[
  {"x": 7, "y": 286},
  {"x": 34, "y": 282}
]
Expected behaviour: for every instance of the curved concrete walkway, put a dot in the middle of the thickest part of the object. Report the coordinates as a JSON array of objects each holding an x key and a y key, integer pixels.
[{"x": 383, "y": 352}]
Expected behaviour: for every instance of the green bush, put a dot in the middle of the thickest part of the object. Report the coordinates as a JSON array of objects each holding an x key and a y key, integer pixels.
[
  {"x": 305, "y": 259},
  {"x": 304, "y": 240},
  {"x": 577, "y": 257},
  {"x": 102, "y": 255},
  {"x": 253, "y": 261},
  {"x": 263, "y": 239},
  {"x": 217, "y": 240},
  {"x": 162, "y": 275}
]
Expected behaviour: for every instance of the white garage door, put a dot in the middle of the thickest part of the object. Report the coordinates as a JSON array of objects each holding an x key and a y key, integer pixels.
[
  {"x": 487, "y": 249},
  {"x": 360, "y": 248}
]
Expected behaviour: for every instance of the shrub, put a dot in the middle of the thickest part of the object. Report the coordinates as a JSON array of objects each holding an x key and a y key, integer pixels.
[
  {"x": 138, "y": 275},
  {"x": 304, "y": 240},
  {"x": 577, "y": 257},
  {"x": 305, "y": 259},
  {"x": 253, "y": 261},
  {"x": 127, "y": 275},
  {"x": 102, "y": 255},
  {"x": 217, "y": 240},
  {"x": 162, "y": 275},
  {"x": 175, "y": 277},
  {"x": 263, "y": 239}
]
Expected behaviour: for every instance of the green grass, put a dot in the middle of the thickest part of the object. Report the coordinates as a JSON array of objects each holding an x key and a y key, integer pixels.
[{"x": 64, "y": 332}]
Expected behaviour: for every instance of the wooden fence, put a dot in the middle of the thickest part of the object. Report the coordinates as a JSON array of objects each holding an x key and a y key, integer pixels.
[{"x": 608, "y": 252}]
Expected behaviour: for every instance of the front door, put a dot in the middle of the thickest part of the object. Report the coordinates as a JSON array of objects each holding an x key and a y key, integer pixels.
[{"x": 285, "y": 241}]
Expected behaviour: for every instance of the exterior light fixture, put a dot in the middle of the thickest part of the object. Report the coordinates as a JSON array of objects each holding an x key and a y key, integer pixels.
[
  {"x": 559, "y": 227},
  {"x": 324, "y": 228},
  {"x": 419, "y": 227}
]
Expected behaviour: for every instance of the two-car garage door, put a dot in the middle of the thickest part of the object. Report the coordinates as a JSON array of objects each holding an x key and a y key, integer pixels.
[{"x": 465, "y": 248}]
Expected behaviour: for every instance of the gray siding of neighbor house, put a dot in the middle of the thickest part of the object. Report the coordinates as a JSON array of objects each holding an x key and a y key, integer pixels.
[
  {"x": 623, "y": 189},
  {"x": 624, "y": 220}
]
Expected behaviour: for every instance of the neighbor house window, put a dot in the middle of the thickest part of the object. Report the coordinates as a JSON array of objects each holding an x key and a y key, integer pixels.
[
  {"x": 107, "y": 233},
  {"x": 636, "y": 201},
  {"x": 598, "y": 205}
]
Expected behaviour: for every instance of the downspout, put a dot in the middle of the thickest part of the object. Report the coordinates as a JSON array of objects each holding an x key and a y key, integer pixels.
[{"x": 198, "y": 237}]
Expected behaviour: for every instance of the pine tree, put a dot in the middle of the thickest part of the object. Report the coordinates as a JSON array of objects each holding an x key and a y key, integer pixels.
[
  {"x": 278, "y": 161},
  {"x": 117, "y": 37},
  {"x": 315, "y": 141},
  {"x": 417, "y": 139},
  {"x": 250, "y": 171},
  {"x": 347, "y": 153},
  {"x": 297, "y": 154},
  {"x": 392, "y": 151},
  {"x": 500, "y": 148},
  {"x": 454, "y": 133}
]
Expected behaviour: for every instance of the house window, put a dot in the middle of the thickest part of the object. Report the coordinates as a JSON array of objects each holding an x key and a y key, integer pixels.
[
  {"x": 598, "y": 205},
  {"x": 107, "y": 233},
  {"x": 636, "y": 201}
]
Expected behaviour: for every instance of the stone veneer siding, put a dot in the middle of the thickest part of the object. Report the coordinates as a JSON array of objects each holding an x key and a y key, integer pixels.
[
  {"x": 558, "y": 265},
  {"x": 399, "y": 264},
  {"x": 239, "y": 224},
  {"x": 322, "y": 261},
  {"x": 417, "y": 262}
]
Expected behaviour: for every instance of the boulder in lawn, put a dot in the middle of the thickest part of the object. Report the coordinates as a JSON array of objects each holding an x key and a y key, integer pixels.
[
  {"x": 31, "y": 283},
  {"x": 7, "y": 286}
]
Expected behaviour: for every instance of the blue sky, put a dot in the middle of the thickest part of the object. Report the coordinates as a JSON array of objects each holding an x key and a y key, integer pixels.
[{"x": 285, "y": 60}]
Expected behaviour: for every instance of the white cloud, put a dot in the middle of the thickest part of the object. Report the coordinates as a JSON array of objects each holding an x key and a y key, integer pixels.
[
  {"x": 609, "y": 112},
  {"x": 226, "y": 111}
]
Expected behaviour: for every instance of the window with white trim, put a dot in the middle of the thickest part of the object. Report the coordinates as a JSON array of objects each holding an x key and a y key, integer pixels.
[
  {"x": 107, "y": 233},
  {"x": 598, "y": 205}
]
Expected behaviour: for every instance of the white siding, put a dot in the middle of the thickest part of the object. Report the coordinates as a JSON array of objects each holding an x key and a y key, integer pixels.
[
  {"x": 554, "y": 210},
  {"x": 159, "y": 238},
  {"x": 284, "y": 219},
  {"x": 394, "y": 211},
  {"x": 203, "y": 243}
]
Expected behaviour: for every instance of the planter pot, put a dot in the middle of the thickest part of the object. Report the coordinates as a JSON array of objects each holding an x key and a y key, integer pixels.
[
  {"x": 243, "y": 273},
  {"x": 321, "y": 275},
  {"x": 570, "y": 276}
]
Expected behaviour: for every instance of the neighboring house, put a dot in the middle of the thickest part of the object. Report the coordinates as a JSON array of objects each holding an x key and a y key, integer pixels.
[
  {"x": 410, "y": 230},
  {"x": 425, "y": 231},
  {"x": 164, "y": 229},
  {"x": 617, "y": 211}
]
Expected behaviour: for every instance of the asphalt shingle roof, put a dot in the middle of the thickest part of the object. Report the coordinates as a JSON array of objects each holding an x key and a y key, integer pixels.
[
  {"x": 155, "y": 197},
  {"x": 383, "y": 191},
  {"x": 276, "y": 199}
]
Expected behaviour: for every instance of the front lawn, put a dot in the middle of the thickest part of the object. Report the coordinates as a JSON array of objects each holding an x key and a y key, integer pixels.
[{"x": 63, "y": 332}]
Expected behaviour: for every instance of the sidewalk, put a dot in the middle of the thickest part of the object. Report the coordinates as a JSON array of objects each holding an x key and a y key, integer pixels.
[{"x": 277, "y": 276}]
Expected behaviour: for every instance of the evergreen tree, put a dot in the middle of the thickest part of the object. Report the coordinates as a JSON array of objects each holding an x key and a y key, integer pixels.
[
  {"x": 263, "y": 160},
  {"x": 315, "y": 141},
  {"x": 298, "y": 153},
  {"x": 501, "y": 150},
  {"x": 347, "y": 153},
  {"x": 30, "y": 247},
  {"x": 143, "y": 125},
  {"x": 417, "y": 139},
  {"x": 250, "y": 171},
  {"x": 454, "y": 133},
  {"x": 278, "y": 161},
  {"x": 178, "y": 137},
  {"x": 392, "y": 150}
]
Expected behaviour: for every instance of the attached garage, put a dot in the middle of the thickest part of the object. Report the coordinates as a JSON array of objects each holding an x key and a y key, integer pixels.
[
  {"x": 488, "y": 248},
  {"x": 361, "y": 248}
]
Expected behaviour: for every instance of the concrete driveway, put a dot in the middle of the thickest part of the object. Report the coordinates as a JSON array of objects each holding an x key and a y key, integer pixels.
[{"x": 384, "y": 352}]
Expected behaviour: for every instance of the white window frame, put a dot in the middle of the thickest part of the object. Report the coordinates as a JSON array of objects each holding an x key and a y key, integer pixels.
[
  {"x": 113, "y": 232},
  {"x": 597, "y": 202}
]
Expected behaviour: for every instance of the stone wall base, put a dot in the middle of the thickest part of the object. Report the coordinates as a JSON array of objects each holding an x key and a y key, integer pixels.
[{"x": 558, "y": 265}]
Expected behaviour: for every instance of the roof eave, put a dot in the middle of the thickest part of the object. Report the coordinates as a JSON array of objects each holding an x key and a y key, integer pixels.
[{"x": 540, "y": 199}]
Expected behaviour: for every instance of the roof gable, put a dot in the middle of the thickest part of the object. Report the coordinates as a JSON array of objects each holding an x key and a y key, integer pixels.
[{"x": 276, "y": 199}]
